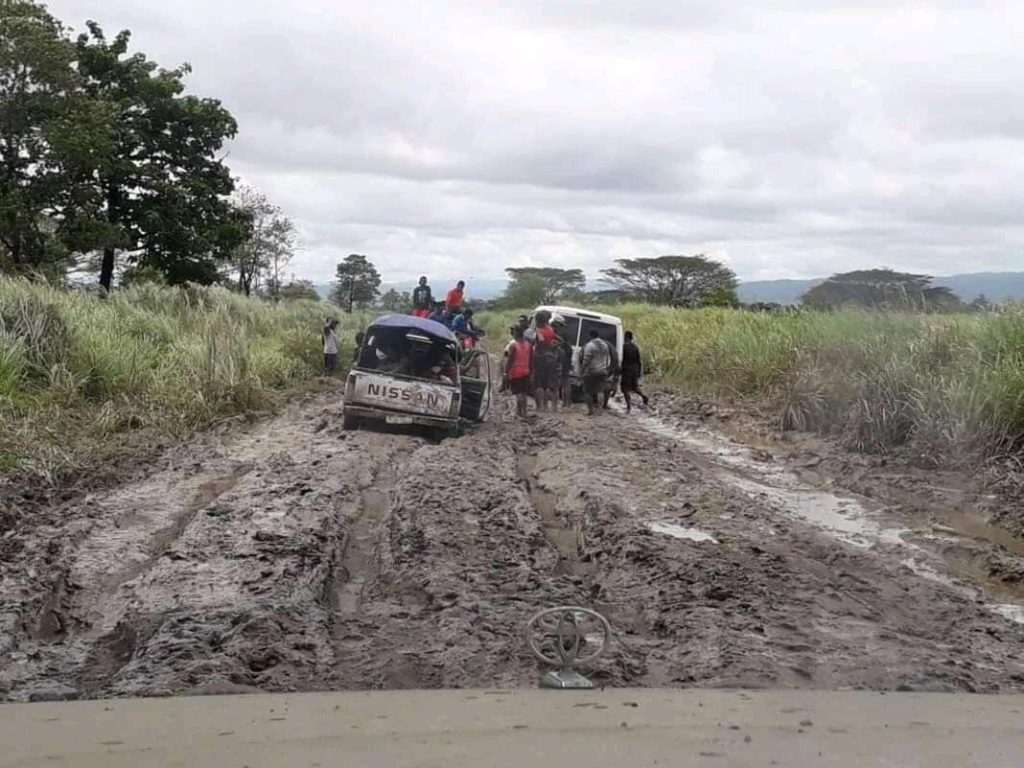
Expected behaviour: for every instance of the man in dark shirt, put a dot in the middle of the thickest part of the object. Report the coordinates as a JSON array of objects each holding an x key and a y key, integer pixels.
[
  {"x": 632, "y": 370},
  {"x": 422, "y": 299}
]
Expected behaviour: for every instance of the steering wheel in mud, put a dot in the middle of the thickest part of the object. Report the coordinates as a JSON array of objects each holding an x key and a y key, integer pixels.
[{"x": 568, "y": 636}]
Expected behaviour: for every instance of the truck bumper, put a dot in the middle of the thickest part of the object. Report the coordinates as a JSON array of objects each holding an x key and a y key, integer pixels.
[{"x": 382, "y": 414}]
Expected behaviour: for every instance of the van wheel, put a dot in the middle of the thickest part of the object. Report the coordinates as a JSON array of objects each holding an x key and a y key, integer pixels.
[{"x": 350, "y": 423}]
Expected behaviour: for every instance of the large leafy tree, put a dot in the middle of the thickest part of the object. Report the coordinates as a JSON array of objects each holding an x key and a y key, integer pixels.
[
  {"x": 268, "y": 242},
  {"x": 298, "y": 289},
  {"x": 530, "y": 286},
  {"x": 881, "y": 289},
  {"x": 683, "y": 281},
  {"x": 356, "y": 284},
  {"x": 395, "y": 301},
  {"x": 162, "y": 183},
  {"x": 44, "y": 139}
]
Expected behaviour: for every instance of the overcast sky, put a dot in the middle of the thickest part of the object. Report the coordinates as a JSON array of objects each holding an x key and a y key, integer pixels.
[{"x": 458, "y": 137}]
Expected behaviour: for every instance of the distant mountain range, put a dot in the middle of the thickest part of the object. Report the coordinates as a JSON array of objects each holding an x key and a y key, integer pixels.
[{"x": 996, "y": 286}]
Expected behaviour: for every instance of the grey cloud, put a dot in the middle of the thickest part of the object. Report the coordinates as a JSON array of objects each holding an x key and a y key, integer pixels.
[{"x": 786, "y": 137}]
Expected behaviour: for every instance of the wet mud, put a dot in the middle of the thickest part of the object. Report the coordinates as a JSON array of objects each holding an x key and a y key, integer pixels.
[{"x": 292, "y": 555}]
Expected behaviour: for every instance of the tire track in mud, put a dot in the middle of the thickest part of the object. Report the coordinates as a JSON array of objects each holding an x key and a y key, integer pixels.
[
  {"x": 296, "y": 556},
  {"x": 207, "y": 577}
]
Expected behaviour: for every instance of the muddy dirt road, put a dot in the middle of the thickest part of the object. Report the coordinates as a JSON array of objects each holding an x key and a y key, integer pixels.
[{"x": 291, "y": 555}]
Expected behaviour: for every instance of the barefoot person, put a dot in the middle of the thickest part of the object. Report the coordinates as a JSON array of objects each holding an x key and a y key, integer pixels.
[
  {"x": 564, "y": 366},
  {"x": 632, "y": 370},
  {"x": 545, "y": 363},
  {"x": 518, "y": 365},
  {"x": 330, "y": 339},
  {"x": 595, "y": 364}
]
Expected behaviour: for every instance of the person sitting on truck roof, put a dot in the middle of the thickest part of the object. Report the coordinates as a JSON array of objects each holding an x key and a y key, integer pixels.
[
  {"x": 455, "y": 298},
  {"x": 463, "y": 326},
  {"x": 438, "y": 315},
  {"x": 422, "y": 299}
]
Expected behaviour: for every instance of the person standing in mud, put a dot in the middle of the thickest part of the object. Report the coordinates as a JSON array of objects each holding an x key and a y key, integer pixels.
[
  {"x": 596, "y": 364},
  {"x": 613, "y": 374},
  {"x": 330, "y": 340},
  {"x": 564, "y": 366},
  {"x": 518, "y": 369},
  {"x": 632, "y": 370},
  {"x": 545, "y": 366}
]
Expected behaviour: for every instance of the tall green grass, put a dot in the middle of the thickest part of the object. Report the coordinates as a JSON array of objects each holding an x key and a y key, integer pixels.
[
  {"x": 948, "y": 388},
  {"x": 80, "y": 374}
]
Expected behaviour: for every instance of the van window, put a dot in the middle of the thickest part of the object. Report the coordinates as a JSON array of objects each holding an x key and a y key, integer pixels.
[
  {"x": 606, "y": 331},
  {"x": 572, "y": 330}
]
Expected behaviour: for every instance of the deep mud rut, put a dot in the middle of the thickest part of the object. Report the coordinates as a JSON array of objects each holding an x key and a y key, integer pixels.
[{"x": 294, "y": 556}]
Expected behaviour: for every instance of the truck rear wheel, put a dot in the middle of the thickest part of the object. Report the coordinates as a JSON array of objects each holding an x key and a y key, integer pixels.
[
  {"x": 451, "y": 431},
  {"x": 350, "y": 423}
]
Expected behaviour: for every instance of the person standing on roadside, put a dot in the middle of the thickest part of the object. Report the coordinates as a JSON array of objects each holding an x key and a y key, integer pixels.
[
  {"x": 595, "y": 363},
  {"x": 422, "y": 299},
  {"x": 360, "y": 336},
  {"x": 455, "y": 298},
  {"x": 545, "y": 364},
  {"x": 518, "y": 369},
  {"x": 632, "y": 370},
  {"x": 330, "y": 340}
]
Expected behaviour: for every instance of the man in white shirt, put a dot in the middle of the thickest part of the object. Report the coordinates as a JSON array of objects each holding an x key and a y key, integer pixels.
[
  {"x": 330, "y": 339},
  {"x": 596, "y": 365}
]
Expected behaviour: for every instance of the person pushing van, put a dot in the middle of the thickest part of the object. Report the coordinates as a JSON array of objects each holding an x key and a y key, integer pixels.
[{"x": 596, "y": 365}]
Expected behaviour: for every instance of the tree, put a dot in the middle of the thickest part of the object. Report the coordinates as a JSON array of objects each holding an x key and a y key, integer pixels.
[
  {"x": 682, "y": 281},
  {"x": 162, "y": 184},
  {"x": 980, "y": 303},
  {"x": 722, "y": 296},
  {"x": 542, "y": 285},
  {"x": 881, "y": 289},
  {"x": 525, "y": 292},
  {"x": 356, "y": 284},
  {"x": 393, "y": 301},
  {"x": 40, "y": 121},
  {"x": 268, "y": 242},
  {"x": 298, "y": 290}
]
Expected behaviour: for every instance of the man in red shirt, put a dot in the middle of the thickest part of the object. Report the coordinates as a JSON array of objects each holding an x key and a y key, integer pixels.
[
  {"x": 456, "y": 296},
  {"x": 519, "y": 368}
]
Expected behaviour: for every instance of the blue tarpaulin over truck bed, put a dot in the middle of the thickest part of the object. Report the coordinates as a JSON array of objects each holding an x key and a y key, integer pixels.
[{"x": 409, "y": 322}]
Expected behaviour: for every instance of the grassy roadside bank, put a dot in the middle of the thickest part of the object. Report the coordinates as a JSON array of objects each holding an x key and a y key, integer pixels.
[
  {"x": 947, "y": 388},
  {"x": 83, "y": 380}
]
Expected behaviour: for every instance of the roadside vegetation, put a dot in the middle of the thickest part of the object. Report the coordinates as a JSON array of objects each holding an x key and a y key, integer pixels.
[
  {"x": 85, "y": 380},
  {"x": 946, "y": 388}
]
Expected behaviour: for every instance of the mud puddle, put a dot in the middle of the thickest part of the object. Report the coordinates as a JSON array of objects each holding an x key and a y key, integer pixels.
[
  {"x": 850, "y": 520},
  {"x": 681, "y": 532}
]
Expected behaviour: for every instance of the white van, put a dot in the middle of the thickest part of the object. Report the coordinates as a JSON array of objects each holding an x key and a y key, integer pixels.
[{"x": 578, "y": 324}]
